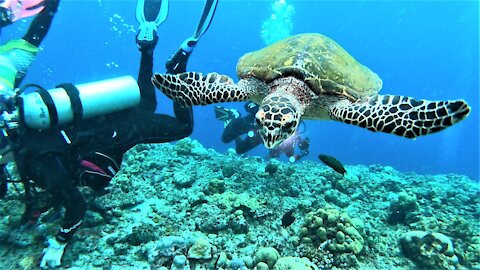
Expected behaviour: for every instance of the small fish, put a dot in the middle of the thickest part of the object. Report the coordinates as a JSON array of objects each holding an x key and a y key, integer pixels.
[
  {"x": 333, "y": 163},
  {"x": 288, "y": 218}
]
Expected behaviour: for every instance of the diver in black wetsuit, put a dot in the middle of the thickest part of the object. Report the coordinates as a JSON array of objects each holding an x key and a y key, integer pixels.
[
  {"x": 237, "y": 126},
  {"x": 89, "y": 152}
]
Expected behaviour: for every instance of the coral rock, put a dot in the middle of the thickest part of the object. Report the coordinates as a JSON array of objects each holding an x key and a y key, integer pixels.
[
  {"x": 429, "y": 249},
  {"x": 267, "y": 255},
  {"x": 294, "y": 263},
  {"x": 201, "y": 249}
]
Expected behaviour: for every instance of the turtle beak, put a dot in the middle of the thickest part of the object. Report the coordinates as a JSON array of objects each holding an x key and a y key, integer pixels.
[{"x": 271, "y": 138}]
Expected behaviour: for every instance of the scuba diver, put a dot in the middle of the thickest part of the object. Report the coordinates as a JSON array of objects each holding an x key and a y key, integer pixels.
[
  {"x": 83, "y": 145},
  {"x": 244, "y": 130},
  {"x": 288, "y": 148},
  {"x": 14, "y": 10}
]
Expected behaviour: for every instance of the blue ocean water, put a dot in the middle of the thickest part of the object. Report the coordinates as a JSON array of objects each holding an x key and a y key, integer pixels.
[{"x": 425, "y": 49}]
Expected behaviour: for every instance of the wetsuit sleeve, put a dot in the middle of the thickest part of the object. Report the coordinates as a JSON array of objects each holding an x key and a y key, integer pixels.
[
  {"x": 41, "y": 23},
  {"x": 49, "y": 172}
]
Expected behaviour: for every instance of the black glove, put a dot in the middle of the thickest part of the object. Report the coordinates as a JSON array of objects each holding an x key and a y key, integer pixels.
[
  {"x": 7, "y": 104},
  {"x": 5, "y": 17}
]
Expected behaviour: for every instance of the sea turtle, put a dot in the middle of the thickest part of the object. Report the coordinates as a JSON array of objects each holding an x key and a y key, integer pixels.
[{"x": 311, "y": 76}]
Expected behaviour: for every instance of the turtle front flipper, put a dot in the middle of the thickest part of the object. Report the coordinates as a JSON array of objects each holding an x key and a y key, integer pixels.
[
  {"x": 402, "y": 116},
  {"x": 193, "y": 88}
]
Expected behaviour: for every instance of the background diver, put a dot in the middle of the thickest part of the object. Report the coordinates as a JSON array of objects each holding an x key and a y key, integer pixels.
[
  {"x": 244, "y": 130},
  {"x": 66, "y": 155}
]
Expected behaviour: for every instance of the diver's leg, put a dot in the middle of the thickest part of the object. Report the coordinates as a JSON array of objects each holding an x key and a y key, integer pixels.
[
  {"x": 184, "y": 114},
  {"x": 148, "y": 101},
  {"x": 41, "y": 23},
  {"x": 178, "y": 62},
  {"x": 243, "y": 146},
  {"x": 149, "y": 11},
  {"x": 145, "y": 127},
  {"x": 237, "y": 127}
]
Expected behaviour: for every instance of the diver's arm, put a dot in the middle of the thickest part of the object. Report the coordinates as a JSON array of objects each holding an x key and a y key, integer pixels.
[
  {"x": 51, "y": 174},
  {"x": 147, "y": 127}
]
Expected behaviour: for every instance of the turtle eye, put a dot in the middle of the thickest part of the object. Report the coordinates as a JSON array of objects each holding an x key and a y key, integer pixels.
[{"x": 258, "y": 121}]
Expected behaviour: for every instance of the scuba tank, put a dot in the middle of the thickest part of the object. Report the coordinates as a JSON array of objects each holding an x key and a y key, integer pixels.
[{"x": 43, "y": 109}]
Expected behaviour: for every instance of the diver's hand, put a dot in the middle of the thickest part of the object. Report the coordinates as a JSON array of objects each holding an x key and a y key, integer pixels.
[
  {"x": 52, "y": 255},
  {"x": 7, "y": 103}
]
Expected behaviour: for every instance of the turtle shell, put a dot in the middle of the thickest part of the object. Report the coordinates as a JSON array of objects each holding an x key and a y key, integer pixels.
[{"x": 318, "y": 60}]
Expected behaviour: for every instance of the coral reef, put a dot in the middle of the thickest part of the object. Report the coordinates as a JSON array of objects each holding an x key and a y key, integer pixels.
[
  {"x": 267, "y": 255},
  {"x": 429, "y": 249},
  {"x": 403, "y": 209},
  {"x": 294, "y": 263},
  {"x": 181, "y": 206},
  {"x": 201, "y": 249},
  {"x": 331, "y": 231}
]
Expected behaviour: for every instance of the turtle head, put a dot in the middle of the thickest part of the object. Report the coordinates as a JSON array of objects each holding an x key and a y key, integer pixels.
[{"x": 278, "y": 118}]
